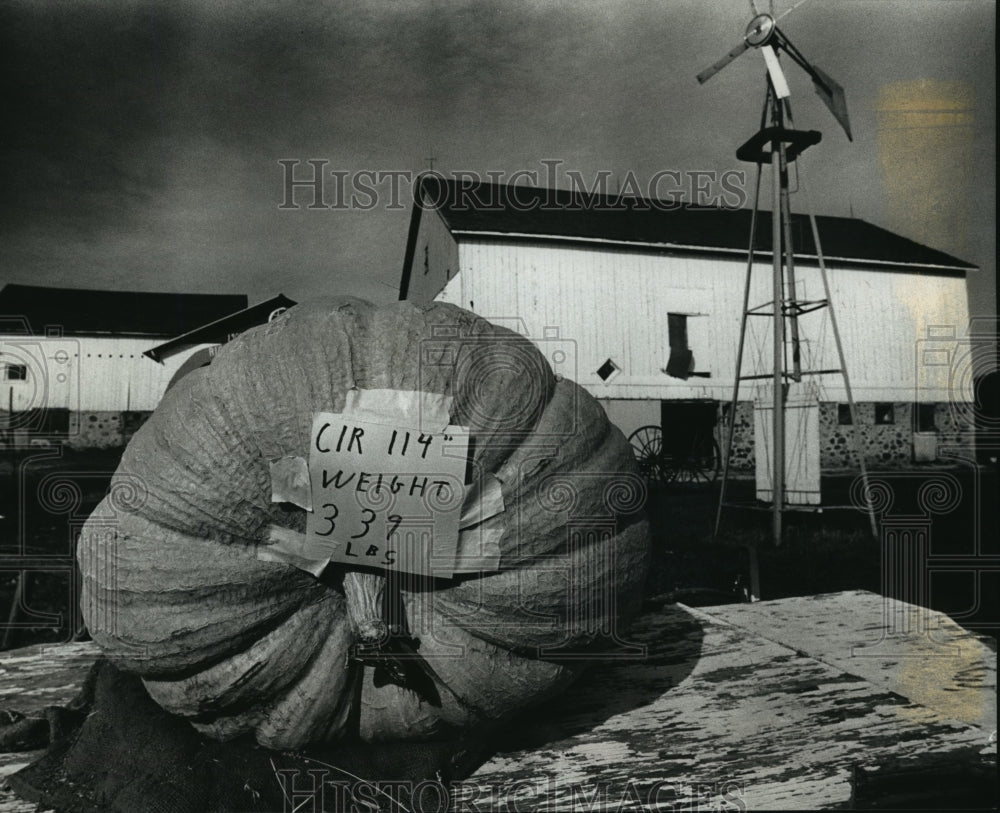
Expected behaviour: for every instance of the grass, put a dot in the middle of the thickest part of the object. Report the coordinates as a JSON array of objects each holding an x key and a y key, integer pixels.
[
  {"x": 835, "y": 550},
  {"x": 819, "y": 553}
]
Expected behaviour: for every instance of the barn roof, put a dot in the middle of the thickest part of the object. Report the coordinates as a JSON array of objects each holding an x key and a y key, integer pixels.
[
  {"x": 89, "y": 312},
  {"x": 222, "y": 329},
  {"x": 511, "y": 212}
]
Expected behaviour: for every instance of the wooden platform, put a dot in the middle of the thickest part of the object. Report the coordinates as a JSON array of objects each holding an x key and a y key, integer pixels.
[{"x": 748, "y": 706}]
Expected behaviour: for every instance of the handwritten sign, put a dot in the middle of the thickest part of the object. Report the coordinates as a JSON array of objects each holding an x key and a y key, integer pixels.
[{"x": 386, "y": 495}]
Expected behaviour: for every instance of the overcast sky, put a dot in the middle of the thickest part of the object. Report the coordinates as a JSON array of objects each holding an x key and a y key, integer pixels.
[{"x": 141, "y": 141}]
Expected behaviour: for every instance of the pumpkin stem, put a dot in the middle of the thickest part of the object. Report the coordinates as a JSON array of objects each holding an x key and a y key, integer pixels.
[{"x": 365, "y": 594}]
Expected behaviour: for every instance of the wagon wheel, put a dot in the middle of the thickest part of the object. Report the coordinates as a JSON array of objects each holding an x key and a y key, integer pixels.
[
  {"x": 647, "y": 446},
  {"x": 701, "y": 465}
]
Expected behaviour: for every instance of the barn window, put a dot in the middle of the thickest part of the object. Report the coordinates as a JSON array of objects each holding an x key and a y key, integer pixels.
[
  {"x": 885, "y": 414},
  {"x": 681, "y": 362},
  {"x": 17, "y": 372},
  {"x": 924, "y": 414},
  {"x": 608, "y": 370},
  {"x": 844, "y": 415}
]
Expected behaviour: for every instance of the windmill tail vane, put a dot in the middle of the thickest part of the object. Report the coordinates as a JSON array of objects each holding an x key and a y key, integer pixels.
[
  {"x": 834, "y": 98},
  {"x": 763, "y": 34}
]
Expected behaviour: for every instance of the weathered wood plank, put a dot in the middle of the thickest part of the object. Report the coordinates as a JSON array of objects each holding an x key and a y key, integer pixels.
[
  {"x": 34, "y": 677},
  {"x": 716, "y": 712},
  {"x": 915, "y": 652},
  {"x": 760, "y": 705}
]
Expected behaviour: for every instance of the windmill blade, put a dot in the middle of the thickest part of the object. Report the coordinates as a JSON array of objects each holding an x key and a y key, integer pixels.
[
  {"x": 834, "y": 98},
  {"x": 778, "y": 81},
  {"x": 709, "y": 72},
  {"x": 787, "y": 11}
]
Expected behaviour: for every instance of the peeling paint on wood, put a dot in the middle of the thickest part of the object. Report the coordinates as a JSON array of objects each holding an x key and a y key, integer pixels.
[
  {"x": 753, "y": 706},
  {"x": 912, "y": 651},
  {"x": 760, "y": 705}
]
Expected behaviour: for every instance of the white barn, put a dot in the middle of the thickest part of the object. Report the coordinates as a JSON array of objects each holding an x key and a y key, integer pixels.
[
  {"x": 641, "y": 303},
  {"x": 71, "y": 360}
]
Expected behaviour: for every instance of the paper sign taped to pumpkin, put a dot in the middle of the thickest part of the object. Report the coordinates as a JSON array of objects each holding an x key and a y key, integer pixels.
[{"x": 385, "y": 494}]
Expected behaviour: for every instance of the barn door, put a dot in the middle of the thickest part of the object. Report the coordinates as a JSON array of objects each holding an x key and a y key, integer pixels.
[
  {"x": 690, "y": 453},
  {"x": 802, "y": 473}
]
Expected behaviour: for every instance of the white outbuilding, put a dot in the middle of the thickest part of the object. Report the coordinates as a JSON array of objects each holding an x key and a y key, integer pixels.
[
  {"x": 641, "y": 301},
  {"x": 72, "y": 363}
]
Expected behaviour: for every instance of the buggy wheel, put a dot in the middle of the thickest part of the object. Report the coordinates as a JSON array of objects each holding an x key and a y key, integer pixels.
[
  {"x": 700, "y": 466},
  {"x": 647, "y": 446}
]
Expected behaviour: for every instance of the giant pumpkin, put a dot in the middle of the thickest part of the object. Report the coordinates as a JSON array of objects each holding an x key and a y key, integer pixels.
[{"x": 174, "y": 591}]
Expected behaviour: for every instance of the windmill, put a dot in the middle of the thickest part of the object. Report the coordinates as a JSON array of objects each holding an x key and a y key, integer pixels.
[
  {"x": 762, "y": 33},
  {"x": 779, "y": 145}
]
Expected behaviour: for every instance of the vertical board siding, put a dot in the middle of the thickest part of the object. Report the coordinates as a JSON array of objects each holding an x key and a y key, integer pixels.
[
  {"x": 606, "y": 302},
  {"x": 802, "y": 446},
  {"x": 85, "y": 373}
]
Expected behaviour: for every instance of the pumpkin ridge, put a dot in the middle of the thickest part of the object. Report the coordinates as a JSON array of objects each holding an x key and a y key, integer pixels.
[
  {"x": 178, "y": 569},
  {"x": 215, "y": 692}
]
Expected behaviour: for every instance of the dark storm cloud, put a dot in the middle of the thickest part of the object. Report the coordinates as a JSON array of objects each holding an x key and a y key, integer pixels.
[
  {"x": 80, "y": 90},
  {"x": 142, "y": 141},
  {"x": 146, "y": 137}
]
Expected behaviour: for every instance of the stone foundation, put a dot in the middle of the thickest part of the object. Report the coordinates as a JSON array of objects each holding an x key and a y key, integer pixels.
[
  {"x": 741, "y": 457},
  {"x": 95, "y": 430},
  {"x": 75, "y": 430},
  {"x": 103, "y": 429},
  {"x": 885, "y": 445}
]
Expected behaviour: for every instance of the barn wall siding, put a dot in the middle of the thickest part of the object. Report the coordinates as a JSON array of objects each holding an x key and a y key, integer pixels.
[
  {"x": 610, "y": 302},
  {"x": 903, "y": 334},
  {"x": 631, "y": 415},
  {"x": 85, "y": 374},
  {"x": 85, "y": 392}
]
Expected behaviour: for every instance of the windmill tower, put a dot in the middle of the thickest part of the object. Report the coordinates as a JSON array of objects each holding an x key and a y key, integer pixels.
[{"x": 779, "y": 145}]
